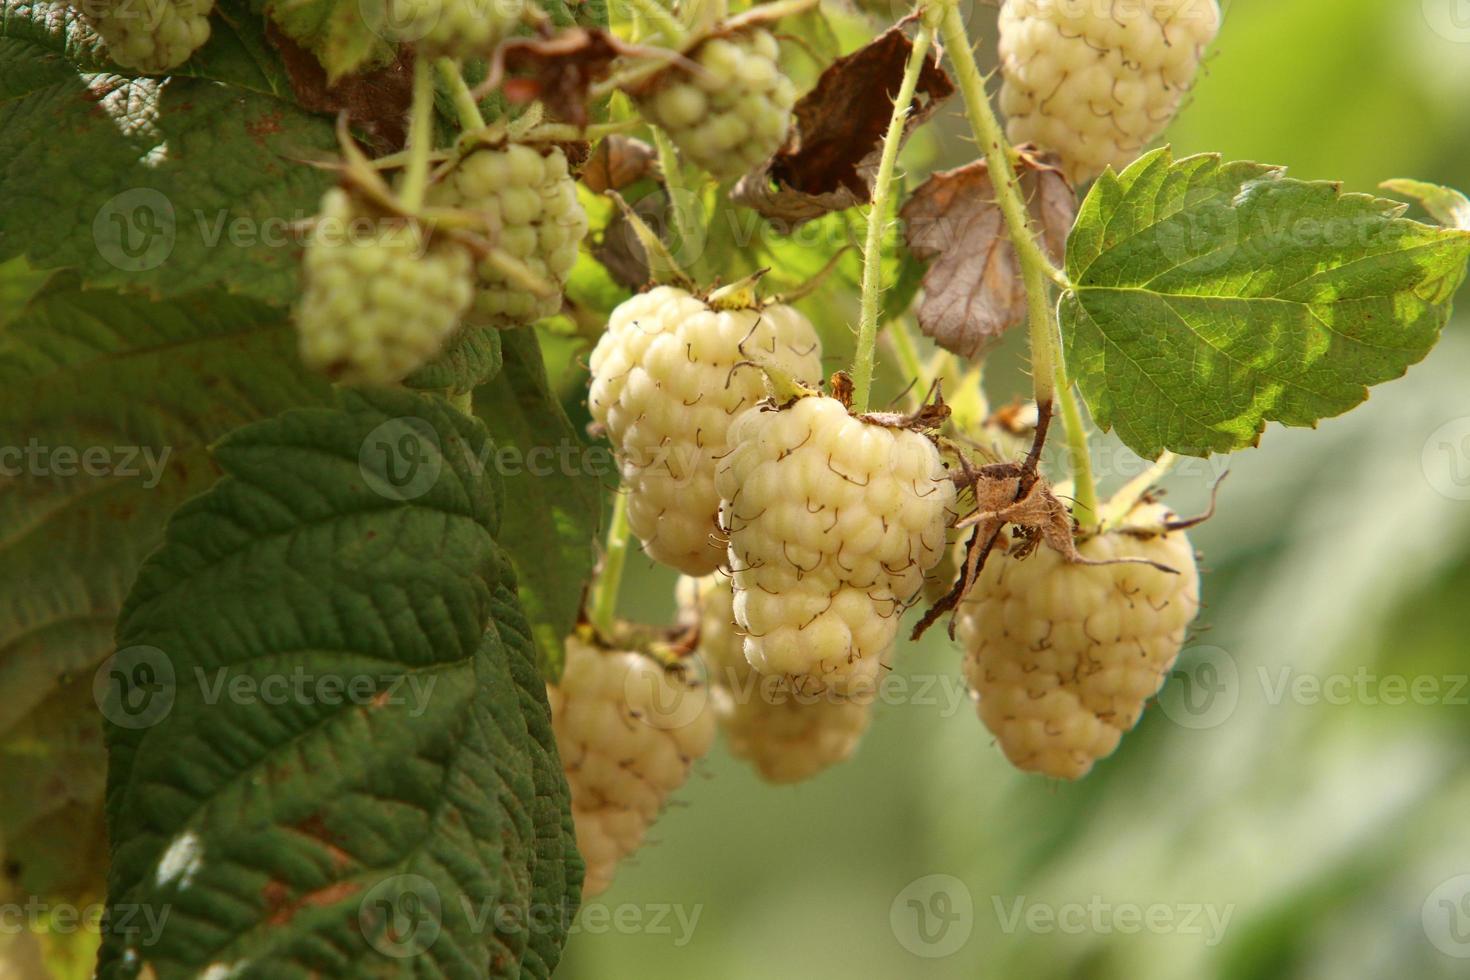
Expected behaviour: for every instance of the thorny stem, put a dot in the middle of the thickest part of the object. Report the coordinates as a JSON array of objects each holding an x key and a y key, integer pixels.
[
  {"x": 686, "y": 224},
  {"x": 468, "y": 110},
  {"x": 862, "y": 365},
  {"x": 420, "y": 135},
  {"x": 602, "y": 605},
  {"x": 1048, "y": 367}
]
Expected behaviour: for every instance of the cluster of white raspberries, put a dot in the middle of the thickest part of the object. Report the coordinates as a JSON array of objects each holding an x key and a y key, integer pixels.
[
  {"x": 377, "y": 304},
  {"x": 628, "y": 730},
  {"x": 149, "y": 36},
  {"x": 1094, "y": 81},
  {"x": 785, "y": 735},
  {"x": 528, "y": 201},
  {"x": 731, "y": 113},
  {"x": 1063, "y": 657},
  {"x": 666, "y": 387},
  {"x": 833, "y": 520},
  {"x": 457, "y": 28}
]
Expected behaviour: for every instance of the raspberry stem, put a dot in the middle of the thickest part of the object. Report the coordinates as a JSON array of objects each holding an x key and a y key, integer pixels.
[
  {"x": 470, "y": 118},
  {"x": 602, "y": 604},
  {"x": 1048, "y": 364},
  {"x": 420, "y": 136},
  {"x": 872, "y": 289}
]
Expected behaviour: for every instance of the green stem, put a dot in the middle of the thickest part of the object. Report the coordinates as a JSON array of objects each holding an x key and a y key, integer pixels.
[
  {"x": 603, "y": 603},
  {"x": 420, "y": 136},
  {"x": 686, "y": 225},
  {"x": 1048, "y": 366},
  {"x": 862, "y": 365},
  {"x": 470, "y": 118}
]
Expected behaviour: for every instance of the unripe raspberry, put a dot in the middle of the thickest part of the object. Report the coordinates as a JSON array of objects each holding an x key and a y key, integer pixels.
[
  {"x": 149, "y": 36},
  {"x": 1096, "y": 80},
  {"x": 1063, "y": 657},
  {"x": 529, "y": 201},
  {"x": 378, "y": 302},
  {"x": 833, "y": 521},
  {"x": 733, "y": 114},
  {"x": 457, "y": 28},
  {"x": 628, "y": 730},
  {"x": 787, "y": 736},
  {"x": 664, "y": 384}
]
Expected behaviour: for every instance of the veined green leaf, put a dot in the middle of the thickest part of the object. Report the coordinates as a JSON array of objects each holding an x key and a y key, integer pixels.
[{"x": 1211, "y": 298}]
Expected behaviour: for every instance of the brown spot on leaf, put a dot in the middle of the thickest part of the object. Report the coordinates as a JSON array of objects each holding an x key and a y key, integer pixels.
[
  {"x": 831, "y": 156},
  {"x": 973, "y": 291}
]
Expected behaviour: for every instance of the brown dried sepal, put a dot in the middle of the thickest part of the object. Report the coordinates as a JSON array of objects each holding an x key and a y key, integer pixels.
[
  {"x": 973, "y": 290},
  {"x": 831, "y": 157}
]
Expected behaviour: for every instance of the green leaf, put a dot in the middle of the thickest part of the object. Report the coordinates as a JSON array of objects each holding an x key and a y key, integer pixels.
[
  {"x": 168, "y": 185},
  {"x": 1211, "y": 298},
  {"x": 1448, "y": 206},
  {"x": 107, "y": 403},
  {"x": 553, "y": 492},
  {"x": 380, "y": 818},
  {"x": 472, "y": 358},
  {"x": 338, "y": 32}
]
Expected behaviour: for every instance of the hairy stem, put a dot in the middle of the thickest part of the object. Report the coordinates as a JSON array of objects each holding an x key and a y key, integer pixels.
[
  {"x": 420, "y": 135},
  {"x": 602, "y": 604},
  {"x": 465, "y": 105},
  {"x": 1048, "y": 367},
  {"x": 686, "y": 224},
  {"x": 862, "y": 365}
]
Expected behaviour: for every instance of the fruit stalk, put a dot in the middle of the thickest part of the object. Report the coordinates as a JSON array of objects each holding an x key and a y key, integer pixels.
[
  {"x": 602, "y": 605},
  {"x": 420, "y": 135},
  {"x": 872, "y": 289},
  {"x": 465, "y": 106}
]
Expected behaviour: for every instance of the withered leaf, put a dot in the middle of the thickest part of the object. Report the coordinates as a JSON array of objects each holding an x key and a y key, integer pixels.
[
  {"x": 973, "y": 291},
  {"x": 617, "y": 162},
  {"x": 557, "y": 69},
  {"x": 831, "y": 157},
  {"x": 376, "y": 101}
]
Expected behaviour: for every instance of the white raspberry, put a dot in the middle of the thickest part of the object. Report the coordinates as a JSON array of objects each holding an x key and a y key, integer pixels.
[
  {"x": 628, "y": 731},
  {"x": 734, "y": 113},
  {"x": 787, "y": 736},
  {"x": 1064, "y": 657},
  {"x": 149, "y": 36},
  {"x": 665, "y": 386},
  {"x": 833, "y": 521},
  {"x": 528, "y": 199},
  {"x": 378, "y": 302},
  {"x": 1096, "y": 80}
]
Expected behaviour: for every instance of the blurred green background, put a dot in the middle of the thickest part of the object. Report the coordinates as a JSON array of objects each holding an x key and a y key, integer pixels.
[{"x": 1298, "y": 803}]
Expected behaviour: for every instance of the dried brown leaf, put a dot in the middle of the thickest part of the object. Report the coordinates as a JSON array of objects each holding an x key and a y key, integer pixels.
[
  {"x": 973, "y": 291},
  {"x": 376, "y": 102},
  {"x": 617, "y": 162},
  {"x": 557, "y": 69},
  {"x": 831, "y": 157}
]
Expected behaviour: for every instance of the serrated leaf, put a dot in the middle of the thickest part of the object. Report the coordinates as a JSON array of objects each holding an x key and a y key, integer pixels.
[
  {"x": 553, "y": 482},
  {"x": 472, "y": 358},
  {"x": 387, "y": 828},
  {"x": 169, "y": 185},
  {"x": 1214, "y": 297},
  {"x": 111, "y": 400}
]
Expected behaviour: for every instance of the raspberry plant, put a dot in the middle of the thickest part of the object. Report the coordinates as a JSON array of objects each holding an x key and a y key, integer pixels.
[{"x": 338, "y": 279}]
